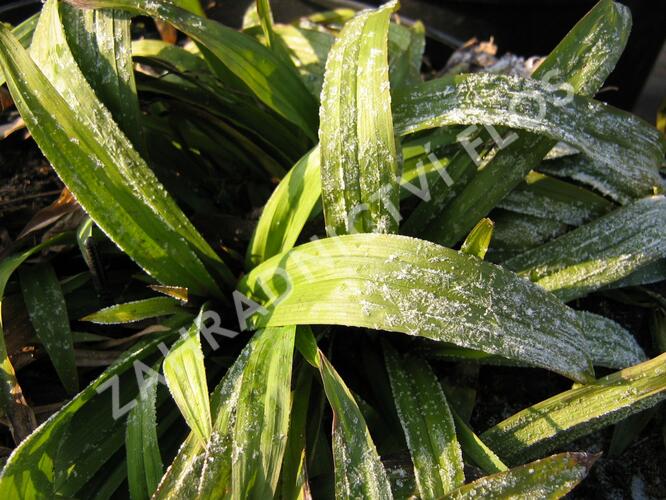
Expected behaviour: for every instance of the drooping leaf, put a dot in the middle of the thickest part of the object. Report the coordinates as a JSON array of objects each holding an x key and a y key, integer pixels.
[
  {"x": 135, "y": 311},
  {"x": 609, "y": 344},
  {"x": 46, "y": 306},
  {"x": 622, "y": 183},
  {"x": 358, "y": 471},
  {"x": 515, "y": 233},
  {"x": 579, "y": 411},
  {"x": 428, "y": 425},
  {"x": 551, "y": 477},
  {"x": 583, "y": 59},
  {"x": 185, "y": 375},
  {"x": 358, "y": 152},
  {"x": 144, "y": 462},
  {"x": 609, "y": 137},
  {"x": 415, "y": 287},
  {"x": 549, "y": 198},
  {"x": 99, "y": 165},
  {"x": 598, "y": 253},
  {"x": 274, "y": 83}
]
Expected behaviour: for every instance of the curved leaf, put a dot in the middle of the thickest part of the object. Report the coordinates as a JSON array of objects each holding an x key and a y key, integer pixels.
[
  {"x": 598, "y": 253},
  {"x": 100, "y": 166},
  {"x": 273, "y": 82},
  {"x": 411, "y": 286}
]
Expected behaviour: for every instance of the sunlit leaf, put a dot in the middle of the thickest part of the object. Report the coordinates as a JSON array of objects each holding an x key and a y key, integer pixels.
[
  {"x": 358, "y": 152},
  {"x": 415, "y": 287},
  {"x": 571, "y": 414},
  {"x": 135, "y": 311},
  {"x": 551, "y": 477}
]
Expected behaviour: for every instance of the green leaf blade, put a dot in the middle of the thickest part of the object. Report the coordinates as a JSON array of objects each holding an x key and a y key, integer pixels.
[
  {"x": 134, "y": 311},
  {"x": 185, "y": 375},
  {"x": 144, "y": 462},
  {"x": 551, "y": 477},
  {"x": 358, "y": 152},
  {"x": 358, "y": 471},
  {"x": 46, "y": 306},
  {"x": 411, "y": 286},
  {"x": 262, "y": 418},
  {"x": 427, "y": 423},
  {"x": 579, "y": 411}
]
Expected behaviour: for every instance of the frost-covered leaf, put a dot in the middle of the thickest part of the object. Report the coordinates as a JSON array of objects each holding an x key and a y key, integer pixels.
[
  {"x": 622, "y": 183},
  {"x": 46, "y": 307},
  {"x": 101, "y": 43},
  {"x": 208, "y": 465},
  {"x": 274, "y": 83},
  {"x": 185, "y": 375},
  {"x": 294, "y": 475},
  {"x": 358, "y": 471},
  {"x": 262, "y": 415},
  {"x": 546, "y": 425},
  {"x": 549, "y": 198},
  {"x": 135, "y": 311},
  {"x": 144, "y": 462},
  {"x": 598, "y": 253},
  {"x": 583, "y": 59},
  {"x": 551, "y": 477},
  {"x": 609, "y": 137},
  {"x": 428, "y": 424},
  {"x": 515, "y": 233},
  {"x": 99, "y": 165},
  {"x": 609, "y": 344},
  {"x": 204, "y": 469},
  {"x": 401, "y": 284},
  {"x": 475, "y": 449},
  {"x": 358, "y": 154}
]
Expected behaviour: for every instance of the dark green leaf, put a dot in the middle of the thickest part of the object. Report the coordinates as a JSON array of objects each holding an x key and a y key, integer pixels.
[{"x": 48, "y": 313}]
